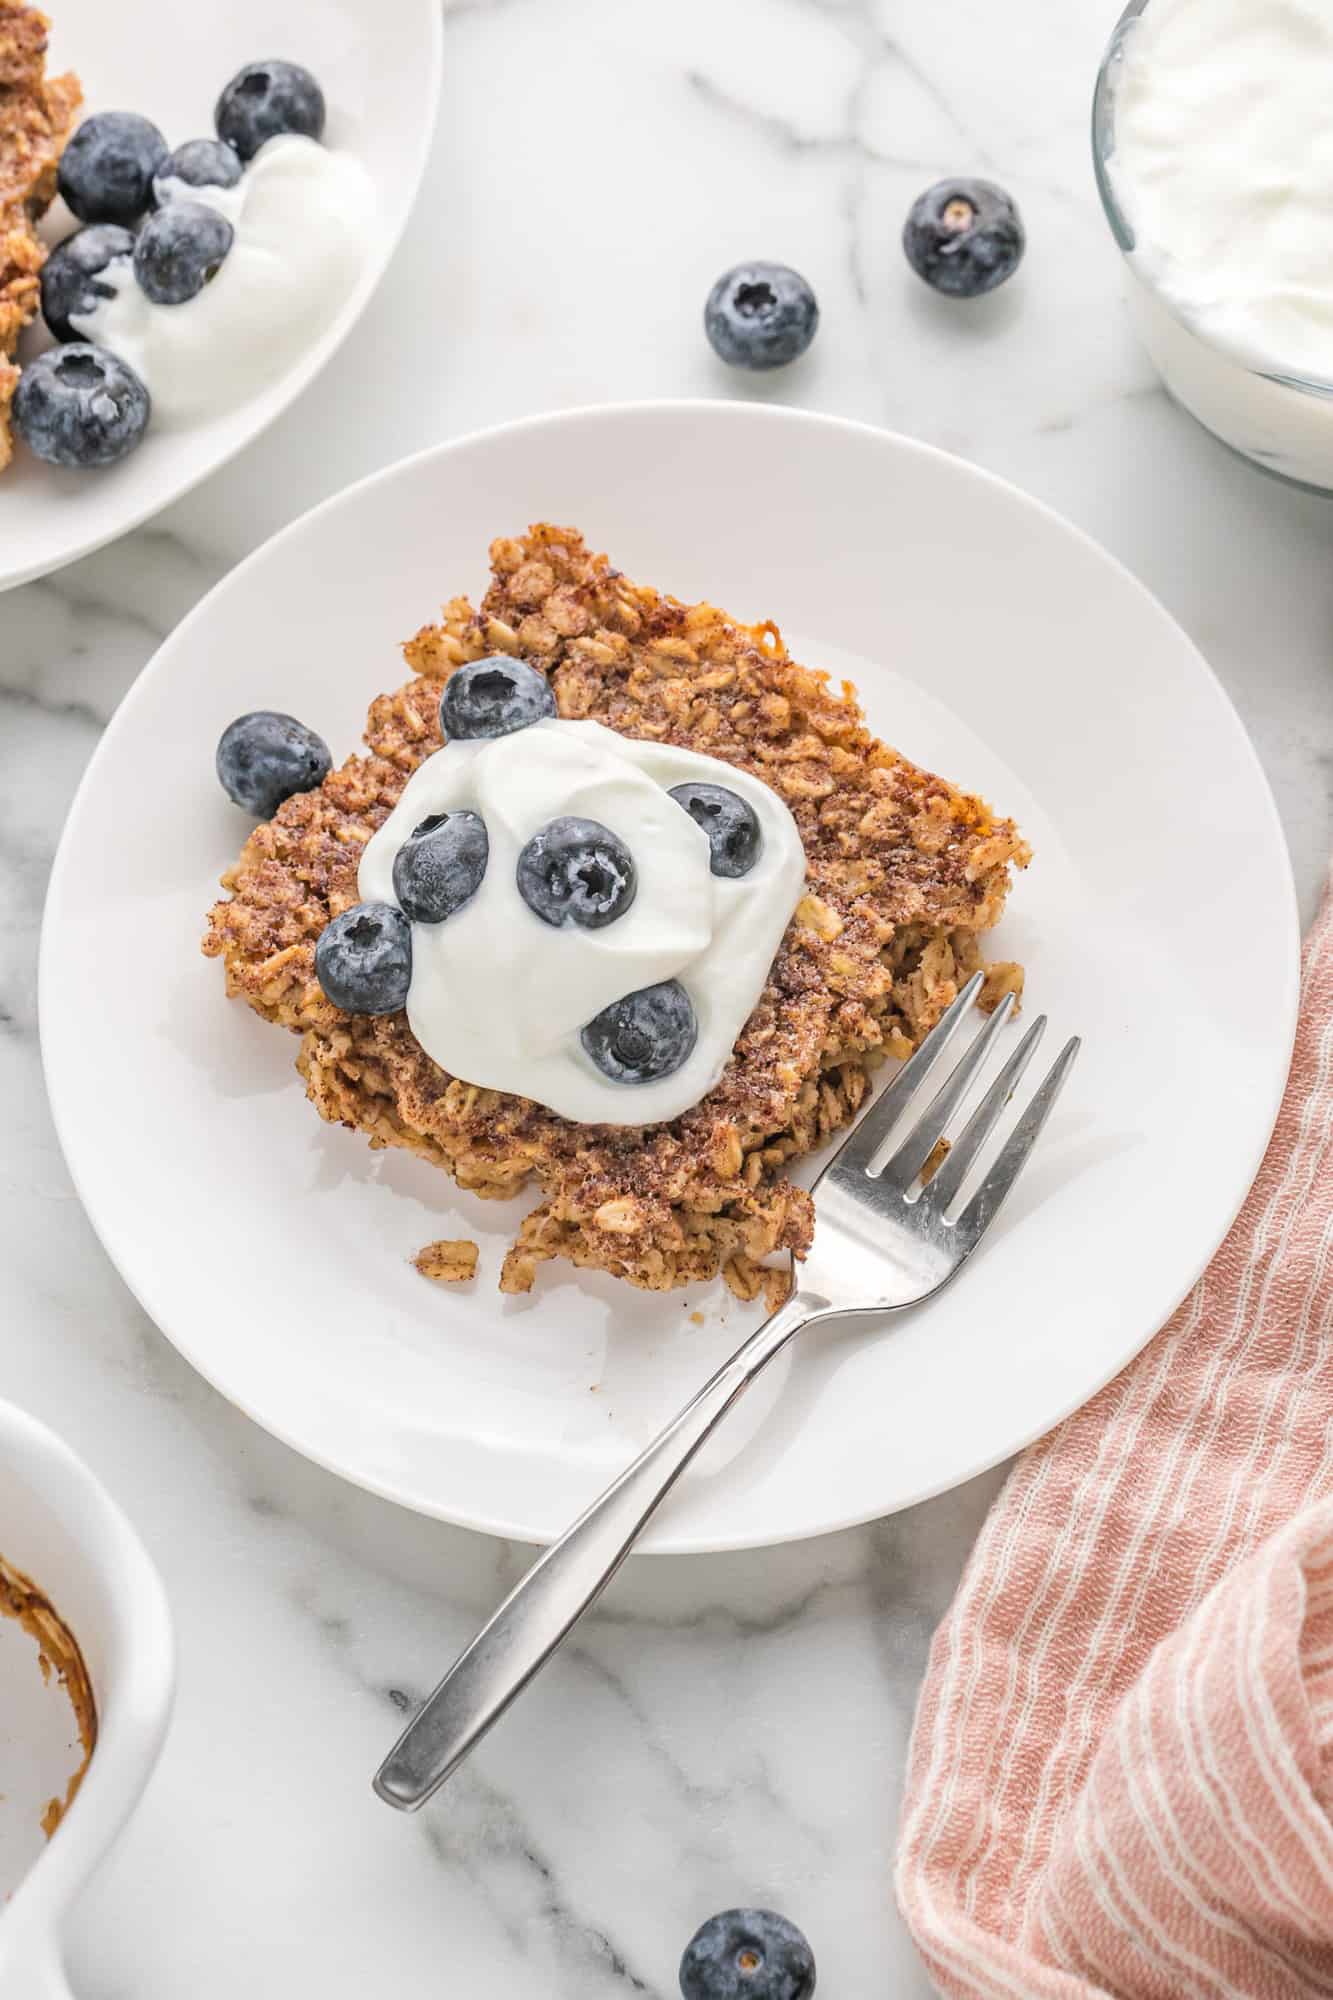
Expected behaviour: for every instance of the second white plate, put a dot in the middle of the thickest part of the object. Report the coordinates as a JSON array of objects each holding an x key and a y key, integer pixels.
[
  {"x": 380, "y": 71},
  {"x": 991, "y": 642}
]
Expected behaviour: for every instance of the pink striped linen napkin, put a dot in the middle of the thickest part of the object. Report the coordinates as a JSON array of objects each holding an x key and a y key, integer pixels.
[{"x": 1121, "y": 1775}]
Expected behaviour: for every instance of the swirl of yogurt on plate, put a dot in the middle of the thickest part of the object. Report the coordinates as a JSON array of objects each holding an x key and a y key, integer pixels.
[
  {"x": 302, "y": 216},
  {"x": 499, "y": 997}
]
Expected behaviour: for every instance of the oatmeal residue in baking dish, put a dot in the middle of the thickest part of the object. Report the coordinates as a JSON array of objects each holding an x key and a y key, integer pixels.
[{"x": 58, "y": 1657}]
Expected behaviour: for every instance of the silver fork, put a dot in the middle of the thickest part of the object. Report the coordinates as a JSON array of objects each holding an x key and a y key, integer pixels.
[{"x": 879, "y": 1246}]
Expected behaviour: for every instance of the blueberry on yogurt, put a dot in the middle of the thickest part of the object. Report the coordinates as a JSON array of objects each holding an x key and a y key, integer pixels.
[
  {"x": 644, "y": 1036},
  {"x": 747, "y": 1955},
  {"x": 264, "y": 99},
  {"x": 440, "y": 865},
  {"x": 107, "y": 168},
  {"x": 199, "y": 163},
  {"x": 265, "y": 757},
  {"x": 576, "y": 871},
  {"x": 80, "y": 405},
  {"x": 731, "y": 823},
  {"x": 494, "y": 697},
  {"x": 74, "y": 275},
  {"x": 761, "y": 316},
  {"x": 363, "y": 960},
  {"x": 964, "y": 237},
  {"x": 179, "y": 250}
]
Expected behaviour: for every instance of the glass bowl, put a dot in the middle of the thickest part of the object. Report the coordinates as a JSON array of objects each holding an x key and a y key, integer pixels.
[{"x": 1282, "y": 423}]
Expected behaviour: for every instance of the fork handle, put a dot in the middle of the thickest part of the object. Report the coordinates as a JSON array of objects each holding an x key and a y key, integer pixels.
[{"x": 554, "y": 1594}]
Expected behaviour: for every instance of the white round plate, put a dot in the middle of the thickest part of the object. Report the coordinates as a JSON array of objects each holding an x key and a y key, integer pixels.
[
  {"x": 380, "y": 70},
  {"x": 990, "y": 642}
]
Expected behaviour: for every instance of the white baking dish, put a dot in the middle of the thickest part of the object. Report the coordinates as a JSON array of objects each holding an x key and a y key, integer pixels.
[{"x": 61, "y": 1529}]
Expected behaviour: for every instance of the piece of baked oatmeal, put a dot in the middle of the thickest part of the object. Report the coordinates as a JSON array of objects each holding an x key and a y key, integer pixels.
[
  {"x": 904, "y": 875},
  {"x": 36, "y": 116}
]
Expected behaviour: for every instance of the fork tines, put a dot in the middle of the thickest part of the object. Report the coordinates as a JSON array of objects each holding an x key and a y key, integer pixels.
[{"x": 896, "y": 1176}]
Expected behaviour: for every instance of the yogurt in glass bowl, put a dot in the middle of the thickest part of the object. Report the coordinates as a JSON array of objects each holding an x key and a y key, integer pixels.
[{"x": 1214, "y": 159}]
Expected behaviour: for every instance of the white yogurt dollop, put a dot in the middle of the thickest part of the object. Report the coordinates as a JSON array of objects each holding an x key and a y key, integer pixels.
[
  {"x": 1224, "y": 165},
  {"x": 498, "y": 997},
  {"x": 1223, "y": 168},
  {"x": 302, "y": 216}
]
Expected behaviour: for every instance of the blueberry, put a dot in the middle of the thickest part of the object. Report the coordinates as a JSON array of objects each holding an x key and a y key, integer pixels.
[
  {"x": 494, "y": 697},
  {"x": 964, "y": 237},
  {"x": 80, "y": 405},
  {"x": 761, "y": 316},
  {"x": 439, "y": 866},
  {"x": 106, "y": 170},
  {"x": 264, "y": 758},
  {"x": 179, "y": 250},
  {"x": 72, "y": 276},
  {"x": 363, "y": 959},
  {"x": 199, "y": 163},
  {"x": 747, "y": 1955},
  {"x": 264, "y": 99},
  {"x": 645, "y": 1036},
  {"x": 576, "y": 871},
  {"x": 731, "y": 823}
]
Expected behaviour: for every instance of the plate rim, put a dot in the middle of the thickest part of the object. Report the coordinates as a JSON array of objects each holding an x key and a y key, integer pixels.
[
  {"x": 309, "y": 366},
  {"x": 666, "y": 408}
]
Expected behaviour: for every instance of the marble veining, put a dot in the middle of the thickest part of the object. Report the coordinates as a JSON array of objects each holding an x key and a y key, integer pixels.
[{"x": 725, "y": 1729}]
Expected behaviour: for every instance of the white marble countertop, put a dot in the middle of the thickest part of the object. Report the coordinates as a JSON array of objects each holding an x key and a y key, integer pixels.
[{"x": 729, "y": 1729}]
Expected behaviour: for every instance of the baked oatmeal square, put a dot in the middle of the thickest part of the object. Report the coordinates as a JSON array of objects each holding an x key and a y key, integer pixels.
[
  {"x": 36, "y": 117},
  {"x": 904, "y": 876}
]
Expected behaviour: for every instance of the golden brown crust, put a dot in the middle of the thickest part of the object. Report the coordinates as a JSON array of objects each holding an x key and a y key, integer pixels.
[
  {"x": 904, "y": 874},
  {"x": 36, "y": 116}
]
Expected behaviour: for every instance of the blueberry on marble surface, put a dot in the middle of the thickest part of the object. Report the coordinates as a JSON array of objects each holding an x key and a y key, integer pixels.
[
  {"x": 494, "y": 697},
  {"x": 644, "y": 1036},
  {"x": 265, "y": 757},
  {"x": 440, "y": 865},
  {"x": 761, "y": 316},
  {"x": 74, "y": 275},
  {"x": 747, "y": 1955},
  {"x": 264, "y": 99},
  {"x": 107, "y": 168},
  {"x": 576, "y": 871},
  {"x": 731, "y": 823},
  {"x": 198, "y": 163},
  {"x": 80, "y": 406},
  {"x": 179, "y": 250},
  {"x": 964, "y": 237},
  {"x": 363, "y": 959}
]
